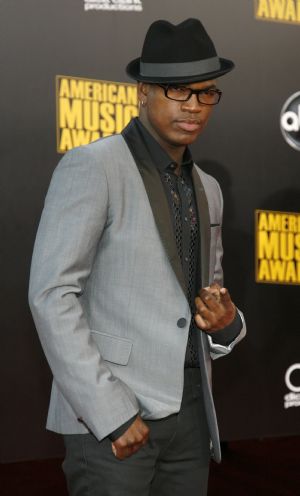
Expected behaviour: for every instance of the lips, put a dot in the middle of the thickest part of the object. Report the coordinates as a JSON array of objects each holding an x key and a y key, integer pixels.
[{"x": 189, "y": 125}]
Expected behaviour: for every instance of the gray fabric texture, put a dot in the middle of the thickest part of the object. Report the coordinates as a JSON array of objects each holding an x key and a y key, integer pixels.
[{"x": 103, "y": 244}]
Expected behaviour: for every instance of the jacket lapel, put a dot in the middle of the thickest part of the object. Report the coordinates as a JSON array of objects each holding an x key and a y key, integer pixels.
[
  {"x": 204, "y": 220},
  {"x": 162, "y": 216},
  {"x": 156, "y": 195}
]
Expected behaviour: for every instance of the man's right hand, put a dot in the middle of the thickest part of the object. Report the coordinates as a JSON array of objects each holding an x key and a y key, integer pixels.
[{"x": 132, "y": 440}]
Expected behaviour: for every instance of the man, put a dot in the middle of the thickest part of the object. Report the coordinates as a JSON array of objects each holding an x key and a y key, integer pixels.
[{"x": 130, "y": 232}]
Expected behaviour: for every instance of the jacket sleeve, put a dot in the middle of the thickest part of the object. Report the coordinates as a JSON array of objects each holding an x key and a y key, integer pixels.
[
  {"x": 221, "y": 343},
  {"x": 73, "y": 219}
]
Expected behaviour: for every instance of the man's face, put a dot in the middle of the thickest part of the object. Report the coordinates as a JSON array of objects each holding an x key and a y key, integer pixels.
[{"x": 173, "y": 123}]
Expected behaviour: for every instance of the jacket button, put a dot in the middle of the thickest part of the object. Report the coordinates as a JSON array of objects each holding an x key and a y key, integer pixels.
[{"x": 181, "y": 322}]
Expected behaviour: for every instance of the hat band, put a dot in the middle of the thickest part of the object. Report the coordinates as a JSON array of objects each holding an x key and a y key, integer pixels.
[{"x": 180, "y": 69}]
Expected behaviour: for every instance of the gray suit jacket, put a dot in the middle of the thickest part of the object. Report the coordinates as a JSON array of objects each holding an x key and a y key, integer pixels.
[{"x": 107, "y": 291}]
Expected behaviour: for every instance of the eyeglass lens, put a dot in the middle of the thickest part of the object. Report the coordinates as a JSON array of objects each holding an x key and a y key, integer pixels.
[{"x": 182, "y": 93}]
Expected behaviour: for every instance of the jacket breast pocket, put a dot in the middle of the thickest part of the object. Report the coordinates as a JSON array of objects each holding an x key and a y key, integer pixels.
[{"x": 113, "y": 348}]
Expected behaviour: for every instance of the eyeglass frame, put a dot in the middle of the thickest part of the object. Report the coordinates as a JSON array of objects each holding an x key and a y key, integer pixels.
[{"x": 192, "y": 92}]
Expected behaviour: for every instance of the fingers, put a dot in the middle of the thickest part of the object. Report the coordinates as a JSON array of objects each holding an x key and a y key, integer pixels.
[
  {"x": 214, "y": 289},
  {"x": 209, "y": 299},
  {"x": 204, "y": 315},
  {"x": 126, "y": 451},
  {"x": 132, "y": 440},
  {"x": 225, "y": 296},
  {"x": 201, "y": 322},
  {"x": 214, "y": 308},
  {"x": 214, "y": 294}
]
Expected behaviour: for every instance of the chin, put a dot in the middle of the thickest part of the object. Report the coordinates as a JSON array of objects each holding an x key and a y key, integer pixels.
[{"x": 188, "y": 139}]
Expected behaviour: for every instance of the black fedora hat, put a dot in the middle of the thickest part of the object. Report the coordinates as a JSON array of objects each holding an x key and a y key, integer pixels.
[{"x": 182, "y": 53}]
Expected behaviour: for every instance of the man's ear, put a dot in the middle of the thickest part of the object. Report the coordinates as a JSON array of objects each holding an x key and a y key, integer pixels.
[{"x": 143, "y": 90}]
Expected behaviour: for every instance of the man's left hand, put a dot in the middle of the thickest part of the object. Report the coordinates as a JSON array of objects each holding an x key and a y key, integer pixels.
[{"x": 214, "y": 308}]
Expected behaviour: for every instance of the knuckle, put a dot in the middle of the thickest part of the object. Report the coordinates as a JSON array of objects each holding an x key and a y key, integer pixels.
[{"x": 121, "y": 443}]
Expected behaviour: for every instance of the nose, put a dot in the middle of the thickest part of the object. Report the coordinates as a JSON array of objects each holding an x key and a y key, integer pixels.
[{"x": 192, "y": 104}]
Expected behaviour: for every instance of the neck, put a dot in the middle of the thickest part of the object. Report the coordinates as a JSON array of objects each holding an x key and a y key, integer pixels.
[{"x": 175, "y": 152}]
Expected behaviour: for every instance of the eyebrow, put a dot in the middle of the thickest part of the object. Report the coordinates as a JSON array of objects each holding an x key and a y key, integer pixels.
[{"x": 211, "y": 86}]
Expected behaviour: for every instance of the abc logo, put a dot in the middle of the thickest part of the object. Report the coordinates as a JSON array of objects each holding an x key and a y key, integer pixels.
[
  {"x": 288, "y": 380},
  {"x": 290, "y": 121}
]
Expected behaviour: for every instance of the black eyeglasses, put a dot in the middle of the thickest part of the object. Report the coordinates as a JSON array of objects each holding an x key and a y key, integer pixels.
[{"x": 206, "y": 96}]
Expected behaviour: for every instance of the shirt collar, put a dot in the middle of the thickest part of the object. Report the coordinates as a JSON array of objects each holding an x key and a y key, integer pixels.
[{"x": 160, "y": 157}]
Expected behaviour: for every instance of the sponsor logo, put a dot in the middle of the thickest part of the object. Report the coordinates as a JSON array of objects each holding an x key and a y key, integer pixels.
[
  {"x": 277, "y": 256},
  {"x": 88, "y": 109},
  {"x": 293, "y": 397},
  {"x": 278, "y": 10},
  {"x": 290, "y": 121},
  {"x": 113, "y": 5}
]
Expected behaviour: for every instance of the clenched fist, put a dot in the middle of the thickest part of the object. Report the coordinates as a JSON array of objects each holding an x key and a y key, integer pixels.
[{"x": 132, "y": 440}]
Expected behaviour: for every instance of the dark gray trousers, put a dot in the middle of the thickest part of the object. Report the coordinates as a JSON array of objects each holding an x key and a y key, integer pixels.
[{"x": 175, "y": 462}]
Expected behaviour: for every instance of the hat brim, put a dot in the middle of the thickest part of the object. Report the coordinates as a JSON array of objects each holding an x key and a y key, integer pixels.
[{"x": 133, "y": 70}]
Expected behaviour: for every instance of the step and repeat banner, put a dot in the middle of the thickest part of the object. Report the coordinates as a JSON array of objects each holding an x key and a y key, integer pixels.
[{"x": 63, "y": 84}]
